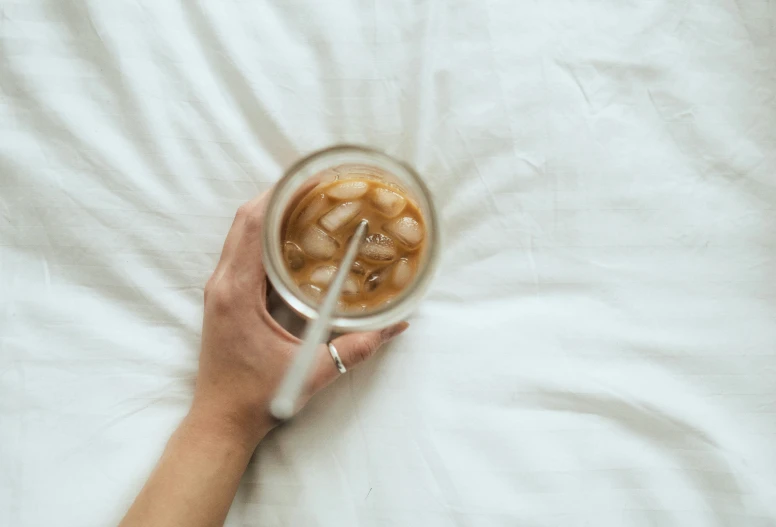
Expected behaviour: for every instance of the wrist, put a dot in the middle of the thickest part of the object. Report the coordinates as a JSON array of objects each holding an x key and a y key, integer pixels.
[{"x": 215, "y": 426}]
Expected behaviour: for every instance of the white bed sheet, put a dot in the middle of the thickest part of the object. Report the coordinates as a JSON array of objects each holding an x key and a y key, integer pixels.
[{"x": 599, "y": 346}]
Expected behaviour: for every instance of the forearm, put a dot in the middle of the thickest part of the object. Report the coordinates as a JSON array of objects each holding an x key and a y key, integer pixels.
[
  {"x": 244, "y": 356},
  {"x": 196, "y": 479}
]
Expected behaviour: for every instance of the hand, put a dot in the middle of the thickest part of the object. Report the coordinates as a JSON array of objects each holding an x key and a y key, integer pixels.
[{"x": 245, "y": 352}]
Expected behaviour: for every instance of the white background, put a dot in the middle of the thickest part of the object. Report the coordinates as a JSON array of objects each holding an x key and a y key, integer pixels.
[{"x": 597, "y": 350}]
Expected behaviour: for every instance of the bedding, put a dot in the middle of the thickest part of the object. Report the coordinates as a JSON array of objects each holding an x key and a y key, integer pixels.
[{"x": 598, "y": 348}]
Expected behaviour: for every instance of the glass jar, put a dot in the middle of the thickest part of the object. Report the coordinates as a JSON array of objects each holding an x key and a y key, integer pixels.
[{"x": 321, "y": 167}]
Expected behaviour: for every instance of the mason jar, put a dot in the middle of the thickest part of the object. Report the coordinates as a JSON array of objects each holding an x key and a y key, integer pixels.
[{"x": 326, "y": 166}]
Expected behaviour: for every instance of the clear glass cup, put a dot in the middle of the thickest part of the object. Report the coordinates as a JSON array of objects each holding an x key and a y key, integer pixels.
[{"x": 321, "y": 167}]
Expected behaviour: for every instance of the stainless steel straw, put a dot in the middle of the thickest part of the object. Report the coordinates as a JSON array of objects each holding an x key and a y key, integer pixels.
[{"x": 284, "y": 403}]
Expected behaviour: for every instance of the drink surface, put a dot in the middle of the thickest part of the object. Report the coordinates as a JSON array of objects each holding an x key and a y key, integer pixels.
[{"x": 316, "y": 234}]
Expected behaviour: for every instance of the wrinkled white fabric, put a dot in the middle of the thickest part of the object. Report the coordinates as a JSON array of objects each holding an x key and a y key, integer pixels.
[{"x": 599, "y": 348}]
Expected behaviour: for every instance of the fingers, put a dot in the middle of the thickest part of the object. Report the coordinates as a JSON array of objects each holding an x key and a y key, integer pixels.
[
  {"x": 353, "y": 349},
  {"x": 242, "y": 247},
  {"x": 237, "y": 230},
  {"x": 254, "y": 224},
  {"x": 246, "y": 261}
]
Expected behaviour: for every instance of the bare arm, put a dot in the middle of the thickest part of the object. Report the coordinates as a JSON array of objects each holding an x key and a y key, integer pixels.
[
  {"x": 195, "y": 480},
  {"x": 244, "y": 356}
]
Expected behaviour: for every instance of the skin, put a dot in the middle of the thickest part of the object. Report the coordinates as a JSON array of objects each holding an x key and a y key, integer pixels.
[{"x": 244, "y": 357}]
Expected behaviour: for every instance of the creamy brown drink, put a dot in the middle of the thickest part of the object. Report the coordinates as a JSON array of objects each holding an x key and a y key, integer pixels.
[{"x": 316, "y": 234}]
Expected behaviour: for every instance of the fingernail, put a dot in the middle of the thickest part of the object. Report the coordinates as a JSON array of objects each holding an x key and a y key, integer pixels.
[{"x": 397, "y": 329}]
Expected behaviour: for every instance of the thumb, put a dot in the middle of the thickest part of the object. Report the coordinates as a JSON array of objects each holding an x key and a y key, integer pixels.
[{"x": 353, "y": 349}]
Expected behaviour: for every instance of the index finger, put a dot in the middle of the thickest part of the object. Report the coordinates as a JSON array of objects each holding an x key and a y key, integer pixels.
[{"x": 246, "y": 249}]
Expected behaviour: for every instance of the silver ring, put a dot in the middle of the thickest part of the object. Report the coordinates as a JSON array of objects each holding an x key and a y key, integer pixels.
[{"x": 337, "y": 361}]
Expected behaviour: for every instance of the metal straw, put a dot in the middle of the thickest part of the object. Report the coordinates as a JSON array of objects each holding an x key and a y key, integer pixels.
[{"x": 284, "y": 403}]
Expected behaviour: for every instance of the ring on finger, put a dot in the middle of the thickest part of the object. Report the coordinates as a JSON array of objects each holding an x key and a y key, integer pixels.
[{"x": 337, "y": 361}]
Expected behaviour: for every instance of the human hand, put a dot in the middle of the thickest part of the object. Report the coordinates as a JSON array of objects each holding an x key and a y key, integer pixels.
[{"x": 245, "y": 352}]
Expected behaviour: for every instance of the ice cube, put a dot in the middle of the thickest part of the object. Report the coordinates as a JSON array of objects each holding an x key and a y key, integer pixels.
[
  {"x": 351, "y": 287},
  {"x": 388, "y": 202},
  {"x": 294, "y": 256},
  {"x": 407, "y": 229},
  {"x": 340, "y": 215},
  {"x": 313, "y": 292},
  {"x": 378, "y": 247},
  {"x": 398, "y": 187},
  {"x": 347, "y": 189},
  {"x": 313, "y": 209},
  {"x": 358, "y": 268},
  {"x": 317, "y": 244},
  {"x": 376, "y": 278},
  {"x": 402, "y": 273},
  {"x": 323, "y": 275}
]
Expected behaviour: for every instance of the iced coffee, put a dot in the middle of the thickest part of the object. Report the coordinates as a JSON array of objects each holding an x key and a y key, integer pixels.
[{"x": 317, "y": 231}]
